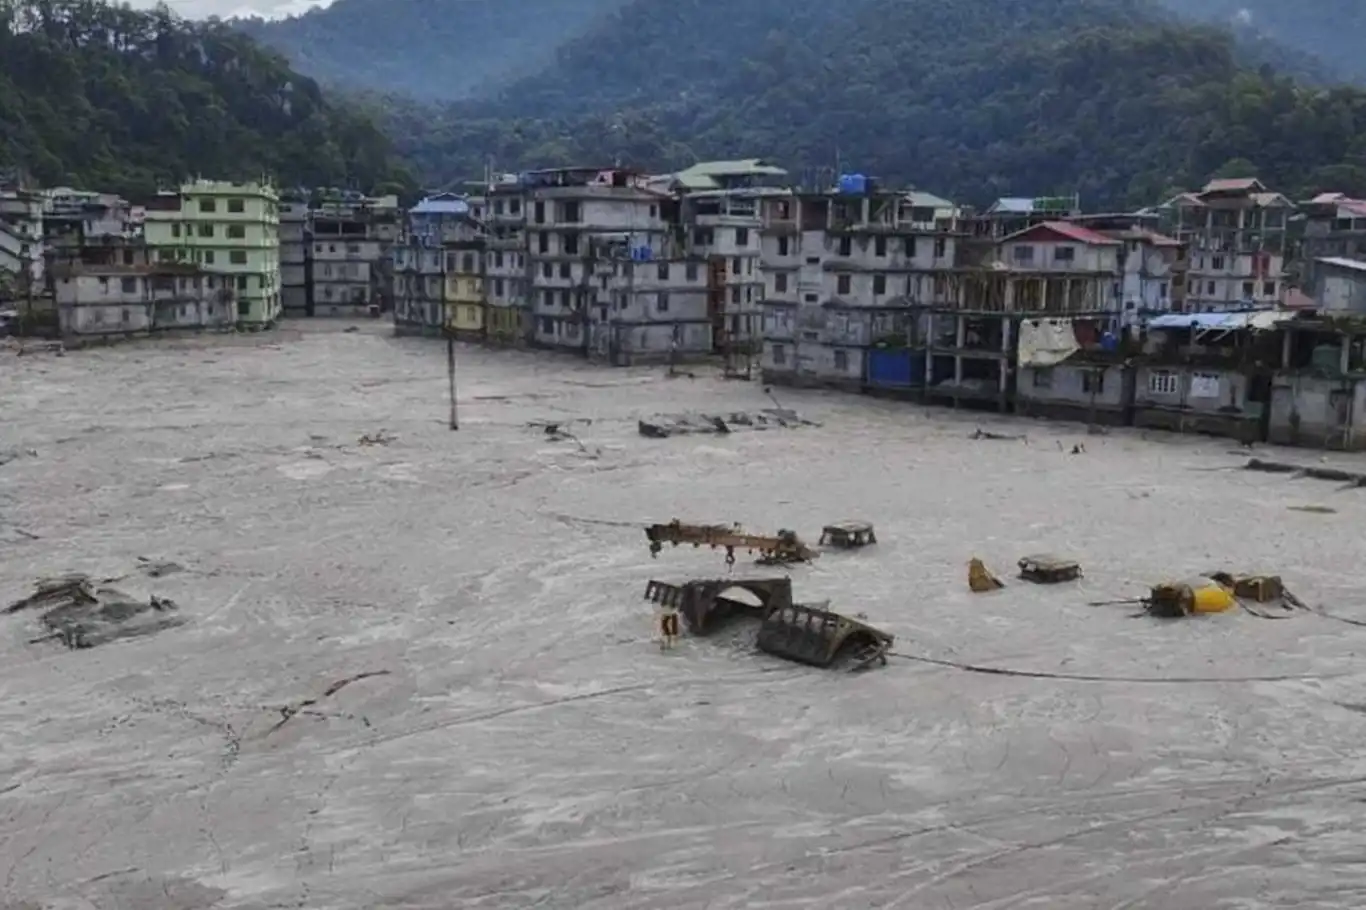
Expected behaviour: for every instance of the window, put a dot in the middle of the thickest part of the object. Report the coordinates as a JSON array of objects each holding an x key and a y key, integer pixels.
[
  {"x": 543, "y": 241},
  {"x": 846, "y": 246},
  {"x": 208, "y": 205},
  {"x": 497, "y": 287},
  {"x": 127, "y": 257},
  {"x": 1093, "y": 382},
  {"x": 690, "y": 272},
  {"x": 779, "y": 355},
  {"x": 1217, "y": 263},
  {"x": 1043, "y": 378},
  {"x": 1066, "y": 254},
  {"x": 206, "y": 230},
  {"x": 735, "y": 294},
  {"x": 237, "y": 257},
  {"x": 1248, "y": 289},
  {"x": 941, "y": 248},
  {"x": 497, "y": 206},
  {"x": 742, "y": 236},
  {"x": 910, "y": 247},
  {"x": 237, "y": 232},
  {"x": 780, "y": 283},
  {"x": 566, "y": 270},
  {"x": 880, "y": 246},
  {"x": 1164, "y": 383},
  {"x": 353, "y": 248},
  {"x": 1209, "y": 288},
  {"x": 782, "y": 246},
  {"x": 467, "y": 263},
  {"x": 736, "y": 266},
  {"x": 539, "y": 210},
  {"x": 842, "y": 284},
  {"x": 702, "y": 237},
  {"x": 175, "y": 230},
  {"x": 662, "y": 303},
  {"x": 514, "y": 206},
  {"x": 237, "y": 206},
  {"x": 130, "y": 285},
  {"x": 498, "y": 260},
  {"x": 123, "y": 316},
  {"x": 1269, "y": 289},
  {"x": 1023, "y": 254},
  {"x": 663, "y": 271},
  {"x": 547, "y": 270},
  {"x": 879, "y": 284},
  {"x": 243, "y": 308},
  {"x": 841, "y": 360},
  {"x": 571, "y": 244},
  {"x": 208, "y": 257},
  {"x": 654, "y": 211}
]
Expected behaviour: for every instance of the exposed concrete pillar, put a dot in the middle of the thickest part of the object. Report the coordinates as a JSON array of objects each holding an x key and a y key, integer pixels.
[{"x": 1343, "y": 352}]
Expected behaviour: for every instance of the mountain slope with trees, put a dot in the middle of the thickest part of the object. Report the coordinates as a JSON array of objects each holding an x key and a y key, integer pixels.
[
  {"x": 1108, "y": 98},
  {"x": 1334, "y": 31},
  {"x": 102, "y": 96},
  {"x": 429, "y": 50}
]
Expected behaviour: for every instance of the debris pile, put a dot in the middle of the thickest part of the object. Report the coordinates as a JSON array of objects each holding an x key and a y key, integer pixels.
[
  {"x": 783, "y": 548},
  {"x": 83, "y": 615},
  {"x": 666, "y": 425},
  {"x": 380, "y": 438}
]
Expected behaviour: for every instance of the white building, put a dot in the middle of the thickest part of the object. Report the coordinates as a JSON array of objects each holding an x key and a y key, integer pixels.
[
  {"x": 117, "y": 301},
  {"x": 845, "y": 269}
]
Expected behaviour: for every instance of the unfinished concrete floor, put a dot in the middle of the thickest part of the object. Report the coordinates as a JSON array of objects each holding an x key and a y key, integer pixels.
[{"x": 529, "y": 746}]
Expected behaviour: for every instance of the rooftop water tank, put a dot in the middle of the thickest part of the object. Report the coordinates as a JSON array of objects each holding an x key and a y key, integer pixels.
[{"x": 853, "y": 184}]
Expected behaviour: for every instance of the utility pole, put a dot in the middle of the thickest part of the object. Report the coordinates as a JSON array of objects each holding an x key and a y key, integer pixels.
[{"x": 450, "y": 374}]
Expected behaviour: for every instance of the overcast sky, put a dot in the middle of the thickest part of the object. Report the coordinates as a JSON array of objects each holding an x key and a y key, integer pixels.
[{"x": 198, "y": 9}]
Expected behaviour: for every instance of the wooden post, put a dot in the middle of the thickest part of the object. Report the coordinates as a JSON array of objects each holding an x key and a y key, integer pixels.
[{"x": 450, "y": 373}]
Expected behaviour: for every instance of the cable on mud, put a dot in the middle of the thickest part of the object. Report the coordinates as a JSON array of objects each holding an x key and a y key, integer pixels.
[{"x": 1083, "y": 677}]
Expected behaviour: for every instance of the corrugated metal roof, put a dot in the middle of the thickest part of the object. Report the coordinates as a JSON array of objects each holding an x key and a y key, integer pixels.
[
  {"x": 1232, "y": 184},
  {"x": 1231, "y": 322},
  {"x": 1015, "y": 205},
  {"x": 742, "y": 167},
  {"x": 1355, "y": 265},
  {"x": 1066, "y": 229},
  {"x": 921, "y": 199},
  {"x": 442, "y": 204}
]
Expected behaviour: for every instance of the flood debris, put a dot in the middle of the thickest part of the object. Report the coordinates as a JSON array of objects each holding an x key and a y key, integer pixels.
[
  {"x": 848, "y": 535},
  {"x": 82, "y": 613},
  {"x": 1314, "y": 472},
  {"x": 1045, "y": 569},
  {"x": 8, "y": 455},
  {"x": 1316, "y": 510},
  {"x": 1214, "y": 592},
  {"x": 665, "y": 425},
  {"x": 783, "y": 548},
  {"x": 289, "y": 712},
  {"x": 980, "y": 433},
  {"x": 158, "y": 568},
  {"x": 980, "y": 579},
  {"x": 379, "y": 438},
  {"x": 804, "y": 633}
]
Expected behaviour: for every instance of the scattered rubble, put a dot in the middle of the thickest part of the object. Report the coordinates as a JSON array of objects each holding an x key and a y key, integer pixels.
[
  {"x": 380, "y": 438},
  {"x": 288, "y": 712},
  {"x": 1314, "y": 472},
  {"x": 980, "y": 433},
  {"x": 8, "y": 455},
  {"x": 1214, "y": 592},
  {"x": 1044, "y": 569},
  {"x": 666, "y": 425},
  {"x": 848, "y": 535},
  {"x": 84, "y": 614}
]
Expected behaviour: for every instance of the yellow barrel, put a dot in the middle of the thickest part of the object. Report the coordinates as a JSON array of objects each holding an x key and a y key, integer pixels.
[{"x": 1208, "y": 596}]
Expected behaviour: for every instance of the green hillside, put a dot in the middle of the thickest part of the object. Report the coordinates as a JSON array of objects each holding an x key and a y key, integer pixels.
[{"x": 97, "y": 95}]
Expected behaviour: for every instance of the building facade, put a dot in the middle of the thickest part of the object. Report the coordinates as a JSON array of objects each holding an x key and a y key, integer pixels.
[
  {"x": 228, "y": 228},
  {"x": 103, "y": 302},
  {"x": 1237, "y": 233}
]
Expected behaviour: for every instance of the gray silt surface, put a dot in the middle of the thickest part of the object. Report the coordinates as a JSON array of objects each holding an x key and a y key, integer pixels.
[{"x": 531, "y": 747}]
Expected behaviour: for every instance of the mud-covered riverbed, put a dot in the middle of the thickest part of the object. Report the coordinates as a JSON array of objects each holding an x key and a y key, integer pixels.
[{"x": 523, "y": 743}]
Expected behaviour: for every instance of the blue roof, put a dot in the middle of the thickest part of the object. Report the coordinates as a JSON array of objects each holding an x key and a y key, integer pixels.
[
  {"x": 441, "y": 204},
  {"x": 1232, "y": 322}
]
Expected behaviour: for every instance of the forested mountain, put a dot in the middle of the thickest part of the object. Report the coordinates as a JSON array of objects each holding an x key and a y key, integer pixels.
[
  {"x": 1334, "y": 31},
  {"x": 430, "y": 50},
  {"x": 101, "y": 96},
  {"x": 1108, "y": 98}
]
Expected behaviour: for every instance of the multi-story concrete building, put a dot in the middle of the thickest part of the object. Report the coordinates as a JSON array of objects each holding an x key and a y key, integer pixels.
[
  {"x": 465, "y": 291},
  {"x": 1237, "y": 235},
  {"x": 1152, "y": 266},
  {"x": 229, "y": 228},
  {"x": 296, "y": 253},
  {"x": 507, "y": 320},
  {"x": 111, "y": 300},
  {"x": 420, "y": 264},
  {"x": 845, "y": 270},
  {"x": 22, "y": 243},
  {"x": 350, "y": 264}
]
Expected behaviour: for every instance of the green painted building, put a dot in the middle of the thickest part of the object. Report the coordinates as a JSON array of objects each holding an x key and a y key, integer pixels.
[{"x": 232, "y": 229}]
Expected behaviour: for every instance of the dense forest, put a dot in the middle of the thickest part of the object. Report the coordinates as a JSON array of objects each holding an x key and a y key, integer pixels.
[
  {"x": 1334, "y": 31},
  {"x": 1108, "y": 98},
  {"x": 428, "y": 50},
  {"x": 98, "y": 95}
]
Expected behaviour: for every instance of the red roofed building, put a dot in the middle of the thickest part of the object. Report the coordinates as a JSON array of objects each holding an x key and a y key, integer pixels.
[{"x": 1060, "y": 267}]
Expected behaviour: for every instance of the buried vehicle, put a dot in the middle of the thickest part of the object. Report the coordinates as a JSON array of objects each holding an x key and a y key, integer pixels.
[
  {"x": 704, "y": 606},
  {"x": 1046, "y": 569},
  {"x": 797, "y": 632}
]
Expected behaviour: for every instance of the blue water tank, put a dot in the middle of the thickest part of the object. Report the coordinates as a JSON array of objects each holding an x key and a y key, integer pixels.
[
  {"x": 853, "y": 184},
  {"x": 642, "y": 254}
]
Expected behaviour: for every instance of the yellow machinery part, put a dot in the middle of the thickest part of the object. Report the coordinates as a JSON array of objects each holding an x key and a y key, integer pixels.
[{"x": 1209, "y": 596}]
